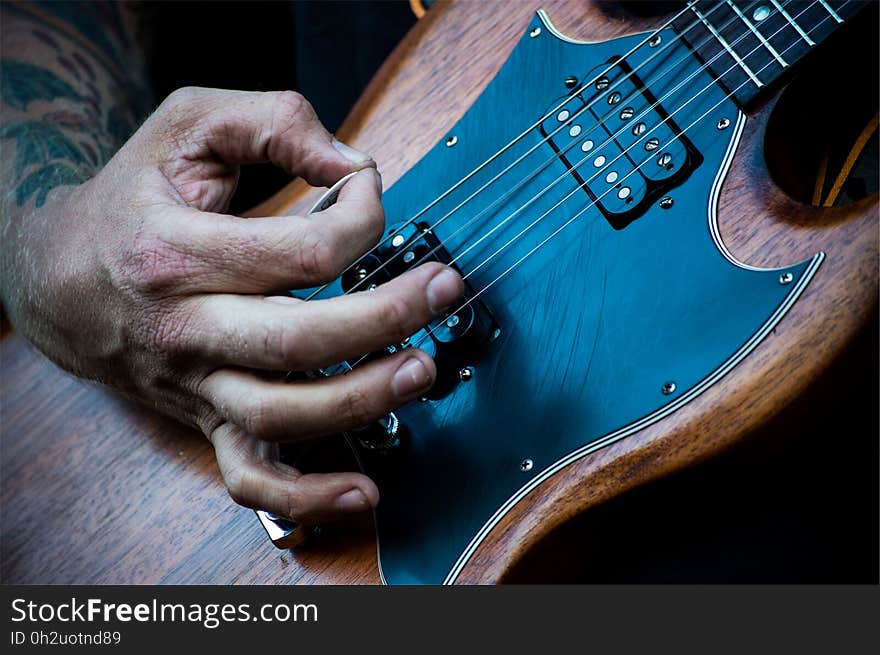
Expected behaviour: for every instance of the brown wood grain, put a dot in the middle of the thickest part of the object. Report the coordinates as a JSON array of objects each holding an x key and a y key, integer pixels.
[{"x": 95, "y": 489}]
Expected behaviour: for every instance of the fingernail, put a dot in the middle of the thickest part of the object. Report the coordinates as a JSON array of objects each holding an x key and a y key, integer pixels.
[
  {"x": 356, "y": 157},
  {"x": 443, "y": 290},
  {"x": 378, "y": 177},
  {"x": 352, "y": 501},
  {"x": 411, "y": 378}
]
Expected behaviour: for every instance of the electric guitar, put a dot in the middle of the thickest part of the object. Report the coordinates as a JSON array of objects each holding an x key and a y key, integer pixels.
[{"x": 640, "y": 295}]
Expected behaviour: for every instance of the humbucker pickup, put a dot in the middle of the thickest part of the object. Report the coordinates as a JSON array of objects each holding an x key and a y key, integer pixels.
[
  {"x": 453, "y": 340},
  {"x": 619, "y": 143}
]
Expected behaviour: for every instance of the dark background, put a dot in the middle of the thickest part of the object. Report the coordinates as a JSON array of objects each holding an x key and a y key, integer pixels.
[
  {"x": 797, "y": 503},
  {"x": 326, "y": 50}
]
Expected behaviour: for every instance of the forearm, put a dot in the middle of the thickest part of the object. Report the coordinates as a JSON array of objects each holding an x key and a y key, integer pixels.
[{"x": 73, "y": 89}]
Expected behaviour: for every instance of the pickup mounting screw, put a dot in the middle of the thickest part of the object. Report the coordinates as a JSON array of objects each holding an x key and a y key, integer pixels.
[
  {"x": 466, "y": 373},
  {"x": 655, "y": 40},
  {"x": 666, "y": 203},
  {"x": 451, "y": 141},
  {"x": 570, "y": 82},
  {"x": 668, "y": 388},
  {"x": 535, "y": 32},
  {"x": 526, "y": 465},
  {"x": 786, "y": 278},
  {"x": 723, "y": 124}
]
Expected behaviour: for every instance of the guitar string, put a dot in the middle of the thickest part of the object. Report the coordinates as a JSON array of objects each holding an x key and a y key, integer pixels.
[
  {"x": 513, "y": 142},
  {"x": 402, "y": 249},
  {"x": 519, "y": 185},
  {"x": 608, "y": 165},
  {"x": 602, "y": 170},
  {"x": 590, "y": 205},
  {"x": 578, "y": 214}
]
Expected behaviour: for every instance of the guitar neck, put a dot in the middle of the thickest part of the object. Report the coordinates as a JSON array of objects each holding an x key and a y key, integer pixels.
[{"x": 748, "y": 46}]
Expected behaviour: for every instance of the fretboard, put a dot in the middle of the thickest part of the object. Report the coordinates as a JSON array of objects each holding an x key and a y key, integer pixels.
[{"x": 749, "y": 45}]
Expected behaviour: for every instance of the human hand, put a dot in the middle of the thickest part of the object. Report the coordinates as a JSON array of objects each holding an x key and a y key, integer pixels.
[{"x": 138, "y": 279}]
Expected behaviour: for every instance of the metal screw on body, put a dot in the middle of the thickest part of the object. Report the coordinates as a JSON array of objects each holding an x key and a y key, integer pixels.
[
  {"x": 666, "y": 203},
  {"x": 668, "y": 388},
  {"x": 570, "y": 82},
  {"x": 786, "y": 278},
  {"x": 723, "y": 124},
  {"x": 535, "y": 32},
  {"x": 526, "y": 465},
  {"x": 655, "y": 41},
  {"x": 466, "y": 373},
  {"x": 451, "y": 141}
]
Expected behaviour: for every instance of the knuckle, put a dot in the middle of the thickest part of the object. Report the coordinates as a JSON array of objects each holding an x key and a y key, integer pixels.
[
  {"x": 281, "y": 344},
  {"x": 151, "y": 265},
  {"x": 257, "y": 416},
  {"x": 356, "y": 407},
  {"x": 375, "y": 223},
  {"x": 291, "y": 502},
  {"x": 397, "y": 314},
  {"x": 166, "y": 332},
  {"x": 181, "y": 99},
  {"x": 291, "y": 107},
  {"x": 318, "y": 259},
  {"x": 234, "y": 479}
]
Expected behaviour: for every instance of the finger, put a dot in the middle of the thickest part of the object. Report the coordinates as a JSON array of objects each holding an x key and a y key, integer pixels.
[
  {"x": 291, "y": 411},
  {"x": 220, "y": 253},
  {"x": 276, "y": 334},
  {"x": 261, "y": 483},
  {"x": 242, "y": 127}
]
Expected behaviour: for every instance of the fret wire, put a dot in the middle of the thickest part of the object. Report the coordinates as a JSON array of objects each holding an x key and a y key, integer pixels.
[
  {"x": 792, "y": 22},
  {"x": 758, "y": 34},
  {"x": 831, "y": 11},
  {"x": 727, "y": 47}
]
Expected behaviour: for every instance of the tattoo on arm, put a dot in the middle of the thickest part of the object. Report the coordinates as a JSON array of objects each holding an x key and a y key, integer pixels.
[{"x": 72, "y": 89}]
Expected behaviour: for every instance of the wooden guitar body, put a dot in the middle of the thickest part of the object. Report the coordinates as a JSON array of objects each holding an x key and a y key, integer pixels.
[{"x": 625, "y": 352}]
